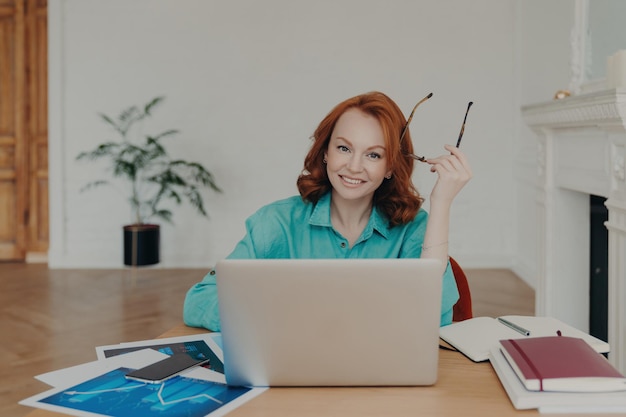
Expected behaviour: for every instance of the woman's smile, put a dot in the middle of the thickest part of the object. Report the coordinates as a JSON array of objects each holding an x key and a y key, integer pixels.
[{"x": 351, "y": 181}]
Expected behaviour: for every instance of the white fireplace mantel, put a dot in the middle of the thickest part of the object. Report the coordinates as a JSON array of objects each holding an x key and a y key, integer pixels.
[{"x": 580, "y": 151}]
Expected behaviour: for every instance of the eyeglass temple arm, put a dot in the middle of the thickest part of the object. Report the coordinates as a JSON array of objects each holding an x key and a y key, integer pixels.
[
  {"x": 458, "y": 142},
  {"x": 417, "y": 158},
  {"x": 406, "y": 126}
]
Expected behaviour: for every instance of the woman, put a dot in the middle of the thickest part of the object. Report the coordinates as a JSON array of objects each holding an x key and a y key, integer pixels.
[{"x": 357, "y": 200}]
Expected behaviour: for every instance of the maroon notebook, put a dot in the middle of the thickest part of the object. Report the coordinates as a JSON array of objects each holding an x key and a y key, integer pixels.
[{"x": 560, "y": 363}]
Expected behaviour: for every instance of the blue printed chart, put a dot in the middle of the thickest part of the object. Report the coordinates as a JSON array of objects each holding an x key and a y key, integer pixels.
[{"x": 113, "y": 395}]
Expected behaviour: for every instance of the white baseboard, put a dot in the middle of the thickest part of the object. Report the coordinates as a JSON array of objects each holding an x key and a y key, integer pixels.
[{"x": 36, "y": 257}]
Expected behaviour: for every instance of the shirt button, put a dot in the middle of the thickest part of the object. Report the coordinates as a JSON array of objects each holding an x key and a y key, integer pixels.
[{"x": 343, "y": 244}]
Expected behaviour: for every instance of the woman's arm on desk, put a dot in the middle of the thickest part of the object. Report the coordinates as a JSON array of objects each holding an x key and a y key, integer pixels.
[{"x": 201, "y": 308}]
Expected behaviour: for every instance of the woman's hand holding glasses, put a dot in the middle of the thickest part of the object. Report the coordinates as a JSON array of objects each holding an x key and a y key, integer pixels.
[{"x": 453, "y": 172}]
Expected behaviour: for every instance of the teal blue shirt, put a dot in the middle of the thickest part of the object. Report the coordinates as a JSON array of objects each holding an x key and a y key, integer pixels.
[{"x": 293, "y": 228}]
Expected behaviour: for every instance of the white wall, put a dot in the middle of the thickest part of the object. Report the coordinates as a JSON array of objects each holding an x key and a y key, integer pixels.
[
  {"x": 543, "y": 54},
  {"x": 248, "y": 81}
]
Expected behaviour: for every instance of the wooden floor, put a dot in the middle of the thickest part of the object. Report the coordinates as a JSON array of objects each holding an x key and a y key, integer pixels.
[{"x": 52, "y": 319}]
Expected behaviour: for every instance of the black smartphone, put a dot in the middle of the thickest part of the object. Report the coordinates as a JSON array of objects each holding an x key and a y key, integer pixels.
[{"x": 165, "y": 369}]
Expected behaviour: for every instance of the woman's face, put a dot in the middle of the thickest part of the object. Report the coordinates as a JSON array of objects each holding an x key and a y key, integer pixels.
[{"x": 356, "y": 156}]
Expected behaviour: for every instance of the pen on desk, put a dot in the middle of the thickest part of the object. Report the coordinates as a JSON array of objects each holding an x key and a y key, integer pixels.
[{"x": 514, "y": 326}]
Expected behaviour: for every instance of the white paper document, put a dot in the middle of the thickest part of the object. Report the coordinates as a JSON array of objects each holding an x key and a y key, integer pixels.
[
  {"x": 76, "y": 374},
  {"x": 212, "y": 340},
  {"x": 100, "y": 388}
]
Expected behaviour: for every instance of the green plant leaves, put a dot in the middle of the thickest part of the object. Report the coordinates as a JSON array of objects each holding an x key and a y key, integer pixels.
[{"x": 143, "y": 161}]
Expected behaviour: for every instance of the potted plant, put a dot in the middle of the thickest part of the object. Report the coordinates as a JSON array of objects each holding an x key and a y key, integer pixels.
[{"x": 153, "y": 179}]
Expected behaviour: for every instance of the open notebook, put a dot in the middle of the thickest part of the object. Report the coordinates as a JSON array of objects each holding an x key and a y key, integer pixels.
[
  {"x": 330, "y": 322},
  {"x": 475, "y": 337}
]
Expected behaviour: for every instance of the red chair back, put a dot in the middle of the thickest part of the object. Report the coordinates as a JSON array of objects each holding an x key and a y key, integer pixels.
[{"x": 462, "y": 310}]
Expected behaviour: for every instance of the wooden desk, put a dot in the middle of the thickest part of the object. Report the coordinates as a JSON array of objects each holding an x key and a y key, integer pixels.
[{"x": 464, "y": 388}]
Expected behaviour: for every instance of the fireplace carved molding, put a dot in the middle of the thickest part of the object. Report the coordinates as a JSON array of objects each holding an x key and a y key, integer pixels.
[{"x": 581, "y": 143}]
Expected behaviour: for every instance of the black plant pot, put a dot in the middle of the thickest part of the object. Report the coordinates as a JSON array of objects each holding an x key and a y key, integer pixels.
[{"x": 141, "y": 244}]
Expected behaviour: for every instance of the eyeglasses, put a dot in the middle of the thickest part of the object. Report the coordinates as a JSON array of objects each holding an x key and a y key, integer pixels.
[{"x": 408, "y": 121}]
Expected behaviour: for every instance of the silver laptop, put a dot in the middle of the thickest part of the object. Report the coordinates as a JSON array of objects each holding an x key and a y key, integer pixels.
[{"x": 330, "y": 322}]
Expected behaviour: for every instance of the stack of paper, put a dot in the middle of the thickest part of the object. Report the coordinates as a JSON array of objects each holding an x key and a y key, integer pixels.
[{"x": 100, "y": 388}]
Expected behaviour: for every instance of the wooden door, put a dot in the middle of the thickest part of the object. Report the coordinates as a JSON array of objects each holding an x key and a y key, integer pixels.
[
  {"x": 23, "y": 128},
  {"x": 36, "y": 217}
]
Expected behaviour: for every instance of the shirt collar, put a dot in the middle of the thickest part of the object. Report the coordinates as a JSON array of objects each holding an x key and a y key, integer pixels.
[{"x": 321, "y": 217}]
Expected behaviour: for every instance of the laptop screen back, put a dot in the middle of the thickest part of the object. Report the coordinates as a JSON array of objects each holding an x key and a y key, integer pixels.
[{"x": 330, "y": 322}]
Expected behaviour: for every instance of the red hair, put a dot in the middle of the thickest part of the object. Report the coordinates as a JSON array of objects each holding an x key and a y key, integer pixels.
[{"x": 397, "y": 197}]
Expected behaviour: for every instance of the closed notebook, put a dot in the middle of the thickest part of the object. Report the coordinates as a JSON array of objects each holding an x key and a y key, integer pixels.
[
  {"x": 559, "y": 363},
  {"x": 553, "y": 401}
]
